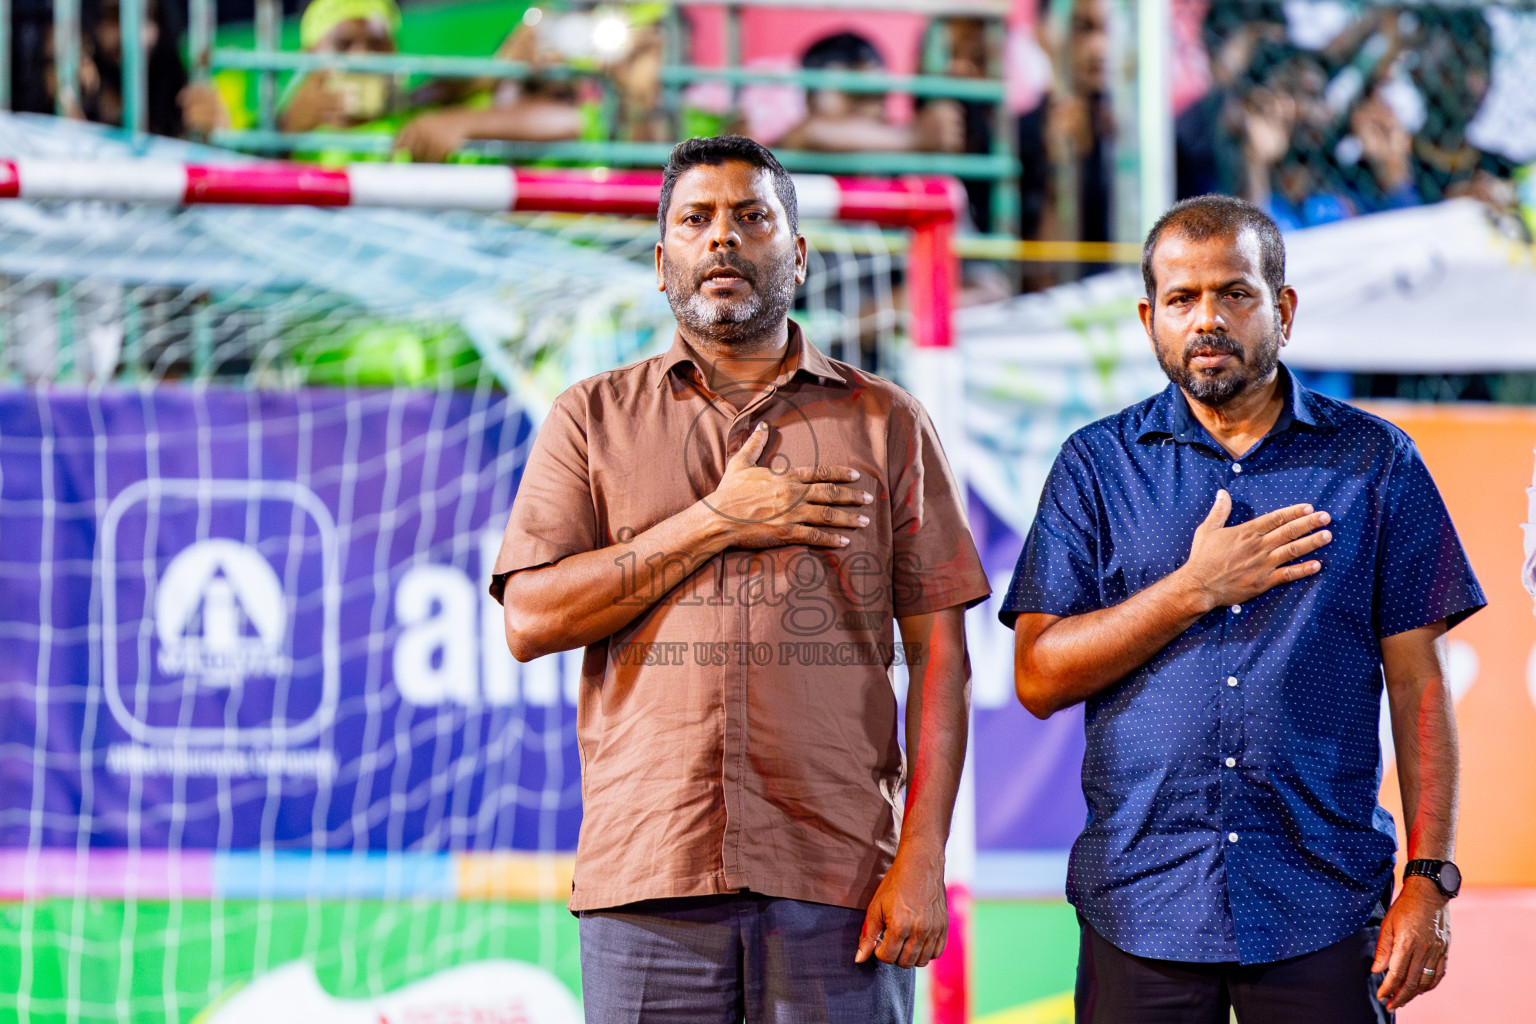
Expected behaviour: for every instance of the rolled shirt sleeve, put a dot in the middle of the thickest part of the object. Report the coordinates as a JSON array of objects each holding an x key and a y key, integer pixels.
[
  {"x": 1057, "y": 572},
  {"x": 1423, "y": 575},
  {"x": 553, "y": 514}
]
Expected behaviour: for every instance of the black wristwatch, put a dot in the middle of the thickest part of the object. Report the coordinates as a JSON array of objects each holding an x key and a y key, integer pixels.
[{"x": 1445, "y": 875}]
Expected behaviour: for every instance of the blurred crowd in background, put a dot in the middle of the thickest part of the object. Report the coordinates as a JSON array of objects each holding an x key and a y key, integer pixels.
[{"x": 1318, "y": 110}]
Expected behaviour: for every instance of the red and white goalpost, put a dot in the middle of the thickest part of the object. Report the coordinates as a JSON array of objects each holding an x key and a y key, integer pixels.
[{"x": 924, "y": 207}]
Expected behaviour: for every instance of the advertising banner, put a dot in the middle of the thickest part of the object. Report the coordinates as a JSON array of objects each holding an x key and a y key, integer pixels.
[
  {"x": 263, "y": 750},
  {"x": 241, "y": 621},
  {"x": 255, "y": 700}
]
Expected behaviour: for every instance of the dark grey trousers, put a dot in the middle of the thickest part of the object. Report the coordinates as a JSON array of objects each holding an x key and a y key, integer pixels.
[{"x": 734, "y": 958}]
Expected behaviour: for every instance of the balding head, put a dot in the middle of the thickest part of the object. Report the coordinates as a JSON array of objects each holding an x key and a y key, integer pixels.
[{"x": 1215, "y": 216}]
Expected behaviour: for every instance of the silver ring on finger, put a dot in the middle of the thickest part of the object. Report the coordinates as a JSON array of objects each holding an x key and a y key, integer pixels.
[{"x": 1429, "y": 972}]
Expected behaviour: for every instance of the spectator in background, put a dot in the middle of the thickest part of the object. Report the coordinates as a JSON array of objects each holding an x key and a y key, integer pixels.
[
  {"x": 624, "y": 44},
  {"x": 542, "y": 108},
  {"x": 1451, "y": 65},
  {"x": 1067, "y": 143},
  {"x": 101, "y": 65},
  {"x": 343, "y": 99},
  {"x": 99, "y": 96},
  {"x": 967, "y": 57},
  {"x": 842, "y": 122},
  {"x": 1375, "y": 118},
  {"x": 1287, "y": 130},
  {"x": 1379, "y": 149},
  {"x": 1204, "y": 142}
]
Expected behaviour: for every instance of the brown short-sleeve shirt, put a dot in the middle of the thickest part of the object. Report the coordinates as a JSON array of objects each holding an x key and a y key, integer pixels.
[{"x": 741, "y": 732}]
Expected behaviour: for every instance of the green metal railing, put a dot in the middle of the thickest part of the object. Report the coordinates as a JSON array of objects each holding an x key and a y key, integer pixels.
[
  {"x": 867, "y": 82},
  {"x": 999, "y": 166},
  {"x": 625, "y": 154},
  {"x": 267, "y": 61},
  {"x": 382, "y": 64}
]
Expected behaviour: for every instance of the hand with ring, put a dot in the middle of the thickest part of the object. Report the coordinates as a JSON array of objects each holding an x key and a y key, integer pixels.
[{"x": 1415, "y": 933}]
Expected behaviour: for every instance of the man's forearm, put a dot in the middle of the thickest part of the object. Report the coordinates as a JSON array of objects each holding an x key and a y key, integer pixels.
[
  {"x": 1061, "y": 661},
  {"x": 528, "y": 121},
  {"x": 938, "y": 719},
  {"x": 1424, "y": 734},
  {"x": 589, "y": 596},
  {"x": 1428, "y": 778}
]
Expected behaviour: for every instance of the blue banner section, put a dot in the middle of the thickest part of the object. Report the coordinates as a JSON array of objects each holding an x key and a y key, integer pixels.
[
  {"x": 241, "y": 620},
  {"x": 238, "y": 620}
]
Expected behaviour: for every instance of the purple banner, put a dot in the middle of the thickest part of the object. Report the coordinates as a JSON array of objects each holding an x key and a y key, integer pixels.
[
  {"x": 238, "y": 620},
  {"x": 1028, "y": 789}
]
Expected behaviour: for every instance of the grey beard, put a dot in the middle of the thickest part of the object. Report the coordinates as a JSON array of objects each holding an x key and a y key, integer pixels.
[
  {"x": 728, "y": 320},
  {"x": 1215, "y": 392}
]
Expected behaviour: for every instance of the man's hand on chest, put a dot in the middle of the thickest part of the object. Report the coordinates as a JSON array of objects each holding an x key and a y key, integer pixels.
[
  {"x": 1229, "y": 565},
  {"x": 765, "y": 507}
]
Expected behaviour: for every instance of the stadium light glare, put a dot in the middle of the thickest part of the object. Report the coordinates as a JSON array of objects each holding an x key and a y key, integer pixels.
[{"x": 610, "y": 36}]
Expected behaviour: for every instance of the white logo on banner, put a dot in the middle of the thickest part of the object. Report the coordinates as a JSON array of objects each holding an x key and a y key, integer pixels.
[
  {"x": 220, "y": 615},
  {"x": 453, "y": 637},
  {"x": 218, "y": 619}
]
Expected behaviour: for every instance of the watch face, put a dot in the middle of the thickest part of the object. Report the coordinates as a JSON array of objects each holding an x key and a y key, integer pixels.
[{"x": 1450, "y": 877}]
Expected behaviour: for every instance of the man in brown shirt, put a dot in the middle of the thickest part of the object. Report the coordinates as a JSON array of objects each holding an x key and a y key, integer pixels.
[{"x": 730, "y": 530}]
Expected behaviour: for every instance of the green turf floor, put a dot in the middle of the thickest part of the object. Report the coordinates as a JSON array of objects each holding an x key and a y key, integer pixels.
[
  {"x": 91, "y": 960},
  {"x": 1022, "y": 952}
]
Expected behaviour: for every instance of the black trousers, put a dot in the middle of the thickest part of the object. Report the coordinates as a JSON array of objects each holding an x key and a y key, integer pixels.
[{"x": 1333, "y": 985}]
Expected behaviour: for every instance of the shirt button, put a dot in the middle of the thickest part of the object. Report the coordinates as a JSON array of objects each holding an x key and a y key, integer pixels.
[
  {"x": 1231, "y": 680},
  {"x": 1237, "y": 467},
  {"x": 1231, "y": 762},
  {"x": 1231, "y": 837},
  {"x": 1237, "y": 609}
]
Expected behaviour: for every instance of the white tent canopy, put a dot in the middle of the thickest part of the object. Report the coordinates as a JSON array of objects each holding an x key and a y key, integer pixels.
[{"x": 1433, "y": 289}]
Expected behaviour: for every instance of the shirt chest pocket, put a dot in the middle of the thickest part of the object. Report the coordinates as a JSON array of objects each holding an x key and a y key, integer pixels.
[
  {"x": 1132, "y": 560},
  {"x": 630, "y": 502}
]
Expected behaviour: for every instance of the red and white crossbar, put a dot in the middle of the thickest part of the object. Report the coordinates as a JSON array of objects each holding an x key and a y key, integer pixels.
[
  {"x": 927, "y": 206},
  {"x": 897, "y": 202}
]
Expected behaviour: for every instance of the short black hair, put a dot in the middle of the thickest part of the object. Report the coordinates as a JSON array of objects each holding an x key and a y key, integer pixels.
[
  {"x": 843, "y": 50},
  {"x": 1216, "y": 216},
  {"x": 1224, "y": 18},
  {"x": 712, "y": 152}
]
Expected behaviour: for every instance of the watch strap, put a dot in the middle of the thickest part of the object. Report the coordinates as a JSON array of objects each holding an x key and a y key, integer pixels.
[{"x": 1429, "y": 869}]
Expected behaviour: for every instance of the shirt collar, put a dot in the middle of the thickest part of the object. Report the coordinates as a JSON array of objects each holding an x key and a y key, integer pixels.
[
  {"x": 801, "y": 357},
  {"x": 1170, "y": 415}
]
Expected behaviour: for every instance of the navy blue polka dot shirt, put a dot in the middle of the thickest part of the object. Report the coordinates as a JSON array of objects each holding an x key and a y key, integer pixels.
[{"x": 1232, "y": 780}]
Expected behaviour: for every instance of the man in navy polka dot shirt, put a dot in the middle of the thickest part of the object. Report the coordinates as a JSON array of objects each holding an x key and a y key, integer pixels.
[{"x": 1227, "y": 574}]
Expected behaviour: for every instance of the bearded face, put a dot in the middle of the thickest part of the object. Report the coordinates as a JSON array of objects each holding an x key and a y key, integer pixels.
[
  {"x": 727, "y": 297},
  {"x": 729, "y": 256},
  {"x": 1214, "y": 367},
  {"x": 1217, "y": 324}
]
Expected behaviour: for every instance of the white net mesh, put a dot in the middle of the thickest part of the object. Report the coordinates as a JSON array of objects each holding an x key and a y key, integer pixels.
[{"x": 262, "y": 749}]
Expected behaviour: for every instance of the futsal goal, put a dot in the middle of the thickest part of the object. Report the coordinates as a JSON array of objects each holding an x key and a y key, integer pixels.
[{"x": 263, "y": 752}]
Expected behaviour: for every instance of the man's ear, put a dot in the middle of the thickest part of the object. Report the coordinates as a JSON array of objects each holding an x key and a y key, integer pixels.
[
  {"x": 661, "y": 278},
  {"x": 1145, "y": 312},
  {"x": 1287, "y": 306},
  {"x": 802, "y": 258}
]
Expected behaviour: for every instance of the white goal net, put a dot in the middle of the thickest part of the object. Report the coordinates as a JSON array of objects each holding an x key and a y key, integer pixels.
[{"x": 263, "y": 752}]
